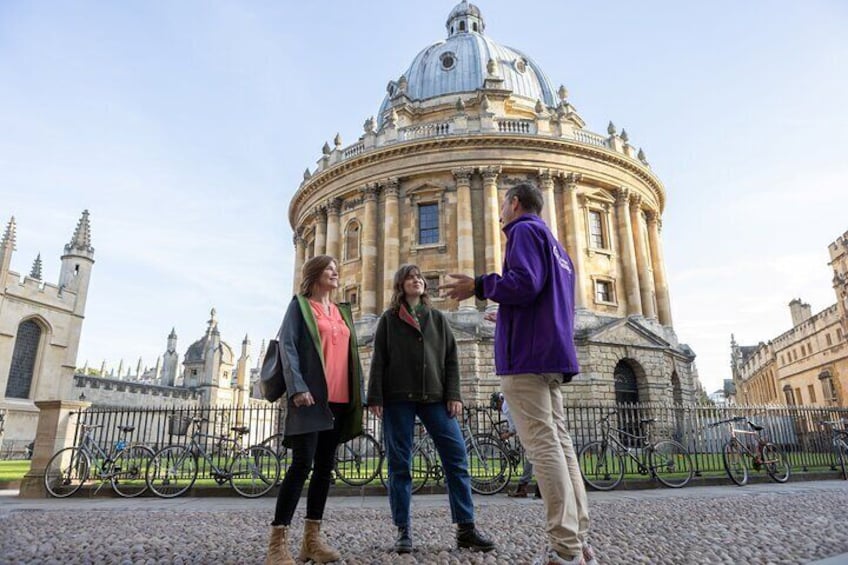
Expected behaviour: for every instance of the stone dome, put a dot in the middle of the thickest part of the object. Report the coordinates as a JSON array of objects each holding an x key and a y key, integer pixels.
[
  {"x": 194, "y": 353},
  {"x": 459, "y": 64}
]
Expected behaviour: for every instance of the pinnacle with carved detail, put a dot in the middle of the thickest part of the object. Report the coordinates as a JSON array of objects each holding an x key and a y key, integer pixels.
[
  {"x": 9, "y": 235},
  {"x": 81, "y": 240},
  {"x": 35, "y": 272}
]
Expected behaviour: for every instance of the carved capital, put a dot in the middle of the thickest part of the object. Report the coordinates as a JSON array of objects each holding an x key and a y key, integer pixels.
[
  {"x": 635, "y": 200},
  {"x": 462, "y": 175},
  {"x": 334, "y": 206},
  {"x": 391, "y": 186},
  {"x": 546, "y": 178},
  {"x": 490, "y": 174},
  {"x": 370, "y": 191},
  {"x": 651, "y": 216},
  {"x": 622, "y": 196},
  {"x": 570, "y": 180},
  {"x": 321, "y": 212}
]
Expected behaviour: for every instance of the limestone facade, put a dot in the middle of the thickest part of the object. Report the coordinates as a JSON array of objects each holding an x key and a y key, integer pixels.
[
  {"x": 40, "y": 326},
  {"x": 807, "y": 365},
  {"x": 425, "y": 182}
]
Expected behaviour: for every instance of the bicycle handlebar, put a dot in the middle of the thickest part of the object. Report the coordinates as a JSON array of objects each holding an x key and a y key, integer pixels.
[{"x": 729, "y": 421}]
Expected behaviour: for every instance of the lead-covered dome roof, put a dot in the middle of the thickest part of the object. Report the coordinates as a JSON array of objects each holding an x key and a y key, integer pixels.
[{"x": 459, "y": 64}]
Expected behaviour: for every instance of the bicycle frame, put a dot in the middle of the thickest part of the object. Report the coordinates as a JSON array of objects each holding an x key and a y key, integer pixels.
[
  {"x": 644, "y": 443},
  {"x": 755, "y": 455}
]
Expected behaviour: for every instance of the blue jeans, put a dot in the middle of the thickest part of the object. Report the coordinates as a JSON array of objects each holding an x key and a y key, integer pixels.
[{"x": 398, "y": 431}]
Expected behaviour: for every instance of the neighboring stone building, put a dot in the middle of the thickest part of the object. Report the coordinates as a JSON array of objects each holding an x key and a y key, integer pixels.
[
  {"x": 40, "y": 325},
  {"x": 807, "y": 365},
  {"x": 424, "y": 184}
]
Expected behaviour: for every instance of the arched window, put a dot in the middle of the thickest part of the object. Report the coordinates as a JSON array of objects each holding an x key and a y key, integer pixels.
[
  {"x": 351, "y": 239},
  {"x": 627, "y": 397},
  {"x": 461, "y": 26},
  {"x": 23, "y": 360}
]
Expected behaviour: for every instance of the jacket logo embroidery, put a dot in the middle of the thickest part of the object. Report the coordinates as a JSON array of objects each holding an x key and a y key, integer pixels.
[{"x": 562, "y": 260}]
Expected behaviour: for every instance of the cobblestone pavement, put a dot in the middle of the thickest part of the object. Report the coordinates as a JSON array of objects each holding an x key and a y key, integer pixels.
[{"x": 763, "y": 523}]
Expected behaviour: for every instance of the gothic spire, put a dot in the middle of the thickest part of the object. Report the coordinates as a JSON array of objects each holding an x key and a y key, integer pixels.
[
  {"x": 9, "y": 235},
  {"x": 81, "y": 240},
  {"x": 35, "y": 273}
]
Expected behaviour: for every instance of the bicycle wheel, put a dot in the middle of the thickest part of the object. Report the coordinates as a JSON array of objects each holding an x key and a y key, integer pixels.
[
  {"x": 734, "y": 463},
  {"x": 420, "y": 469},
  {"x": 775, "y": 462},
  {"x": 358, "y": 460},
  {"x": 129, "y": 470},
  {"x": 66, "y": 472},
  {"x": 601, "y": 465},
  {"x": 488, "y": 465},
  {"x": 171, "y": 471},
  {"x": 275, "y": 444},
  {"x": 670, "y": 463},
  {"x": 254, "y": 471}
]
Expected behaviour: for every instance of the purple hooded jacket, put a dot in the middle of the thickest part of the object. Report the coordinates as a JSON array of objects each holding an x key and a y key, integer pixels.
[{"x": 535, "y": 327}]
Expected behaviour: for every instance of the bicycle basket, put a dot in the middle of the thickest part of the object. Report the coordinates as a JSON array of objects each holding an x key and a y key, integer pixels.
[{"x": 178, "y": 425}]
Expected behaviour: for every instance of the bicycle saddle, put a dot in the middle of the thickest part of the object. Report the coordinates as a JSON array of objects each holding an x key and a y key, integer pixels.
[
  {"x": 755, "y": 427},
  {"x": 126, "y": 429},
  {"x": 648, "y": 420},
  {"x": 241, "y": 430}
]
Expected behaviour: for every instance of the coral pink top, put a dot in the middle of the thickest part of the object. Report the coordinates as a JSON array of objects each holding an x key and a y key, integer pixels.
[{"x": 335, "y": 344}]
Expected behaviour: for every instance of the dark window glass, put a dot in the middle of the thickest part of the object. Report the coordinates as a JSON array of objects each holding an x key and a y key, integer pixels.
[
  {"x": 428, "y": 223},
  {"x": 596, "y": 231},
  {"x": 23, "y": 360}
]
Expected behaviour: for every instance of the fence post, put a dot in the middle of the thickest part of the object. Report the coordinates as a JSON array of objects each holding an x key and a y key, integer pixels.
[{"x": 55, "y": 431}]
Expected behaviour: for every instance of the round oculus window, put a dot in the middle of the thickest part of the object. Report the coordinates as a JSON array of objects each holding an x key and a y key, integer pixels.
[
  {"x": 520, "y": 65},
  {"x": 448, "y": 61}
]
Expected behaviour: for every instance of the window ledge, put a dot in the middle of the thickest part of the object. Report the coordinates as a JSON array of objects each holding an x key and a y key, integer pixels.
[{"x": 441, "y": 246}]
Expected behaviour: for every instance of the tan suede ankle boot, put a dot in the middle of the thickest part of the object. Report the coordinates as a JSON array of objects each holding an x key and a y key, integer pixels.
[
  {"x": 278, "y": 547},
  {"x": 314, "y": 547}
]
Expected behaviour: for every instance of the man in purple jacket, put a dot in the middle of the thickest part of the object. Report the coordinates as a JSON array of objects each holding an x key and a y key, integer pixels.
[{"x": 535, "y": 355}]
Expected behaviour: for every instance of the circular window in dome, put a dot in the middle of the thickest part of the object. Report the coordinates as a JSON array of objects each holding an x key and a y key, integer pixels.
[
  {"x": 520, "y": 65},
  {"x": 448, "y": 61}
]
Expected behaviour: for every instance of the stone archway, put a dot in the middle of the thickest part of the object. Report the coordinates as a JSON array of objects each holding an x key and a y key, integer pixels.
[{"x": 627, "y": 400}]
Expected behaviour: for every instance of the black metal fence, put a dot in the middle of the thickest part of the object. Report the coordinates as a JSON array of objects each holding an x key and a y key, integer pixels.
[{"x": 794, "y": 429}]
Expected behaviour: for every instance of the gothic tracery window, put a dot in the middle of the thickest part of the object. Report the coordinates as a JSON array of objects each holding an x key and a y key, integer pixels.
[
  {"x": 24, "y": 356},
  {"x": 351, "y": 238}
]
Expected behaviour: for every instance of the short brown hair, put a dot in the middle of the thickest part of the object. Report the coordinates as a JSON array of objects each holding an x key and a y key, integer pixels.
[
  {"x": 529, "y": 197},
  {"x": 312, "y": 270},
  {"x": 397, "y": 286}
]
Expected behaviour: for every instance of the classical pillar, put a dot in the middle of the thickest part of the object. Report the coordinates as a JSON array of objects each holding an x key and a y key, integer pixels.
[
  {"x": 334, "y": 209},
  {"x": 660, "y": 281},
  {"x": 464, "y": 229},
  {"x": 370, "y": 228},
  {"x": 491, "y": 218},
  {"x": 628, "y": 252},
  {"x": 391, "y": 237},
  {"x": 320, "y": 230},
  {"x": 549, "y": 211},
  {"x": 646, "y": 285},
  {"x": 299, "y": 257},
  {"x": 575, "y": 242}
]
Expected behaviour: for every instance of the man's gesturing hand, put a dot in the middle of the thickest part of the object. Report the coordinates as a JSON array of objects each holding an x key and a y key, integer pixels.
[{"x": 462, "y": 289}]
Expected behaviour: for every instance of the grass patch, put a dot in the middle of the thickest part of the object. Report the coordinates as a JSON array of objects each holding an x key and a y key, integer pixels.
[{"x": 13, "y": 470}]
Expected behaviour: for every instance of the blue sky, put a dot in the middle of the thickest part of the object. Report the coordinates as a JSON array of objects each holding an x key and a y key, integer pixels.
[{"x": 185, "y": 127}]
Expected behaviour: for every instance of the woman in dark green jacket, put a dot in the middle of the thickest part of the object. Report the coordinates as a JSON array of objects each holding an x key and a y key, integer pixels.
[
  {"x": 324, "y": 404},
  {"x": 415, "y": 372}
]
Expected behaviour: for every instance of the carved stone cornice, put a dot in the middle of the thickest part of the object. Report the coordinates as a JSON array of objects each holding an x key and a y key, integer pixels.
[
  {"x": 432, "y": 146},
  {"x": 334, "y": 206},
  {"x": 462, "y": 175},
  {"x": 391, "y": 187}
]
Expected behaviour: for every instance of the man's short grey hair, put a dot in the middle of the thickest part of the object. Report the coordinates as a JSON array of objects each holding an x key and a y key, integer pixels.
[{"x": 529, "y": 197}]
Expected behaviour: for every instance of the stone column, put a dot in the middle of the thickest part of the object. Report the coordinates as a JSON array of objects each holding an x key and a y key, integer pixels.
[
  {"x": 646, "y": 285},
  {"x": 464, "y": 229},
  {"x": 370, "y": 228},
  {"x": 55, "y": 431},
  {"x": 334, "y": 209},
  {"x": 391, "y": 237},
  {"x": 549, "y": 211},
  {"x": 628, "y": 252},
  {"x": 660, "y": 281},
  {"x": 575, "y": 242},
  {"x": 491, "y": 217},
  {"x": 320, "y": 230},
  {"x": 299, "y": 257}
]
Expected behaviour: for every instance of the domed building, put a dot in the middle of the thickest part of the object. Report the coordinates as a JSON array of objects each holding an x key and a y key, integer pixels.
[
  {"x": 208, "y": 365},
  {"x": 424, "y": 183}
]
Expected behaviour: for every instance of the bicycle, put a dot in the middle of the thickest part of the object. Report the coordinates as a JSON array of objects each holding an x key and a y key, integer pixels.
[
  {"x": 766, "y": 454},
  {"x": 490, "y": 462},
  {"x": 123, "y": 466},
  {"x": 839, "y": 440},
  {"x": 252, "y": 472},
  {"x": 602, "y": 461},
  {"x": 424, "y": 462},
  {"x": 359, "y": 460}
]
